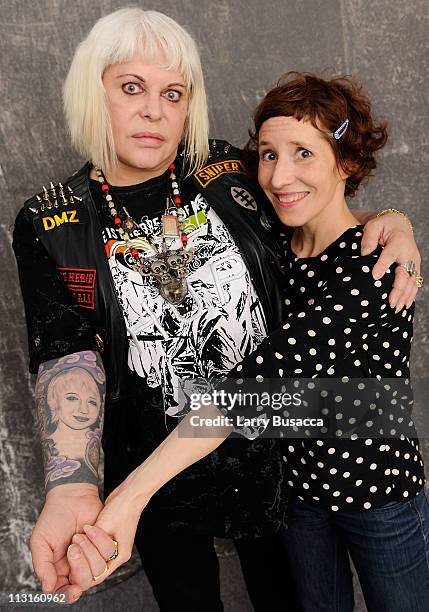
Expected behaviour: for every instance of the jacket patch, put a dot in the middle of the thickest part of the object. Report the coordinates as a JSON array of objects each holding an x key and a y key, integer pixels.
[
  {"x": 207, "y": 174},
  {"x": 53, "y": 221},
  {"x": 81, "y": 282},
  {"x": 243, "y": 198}
]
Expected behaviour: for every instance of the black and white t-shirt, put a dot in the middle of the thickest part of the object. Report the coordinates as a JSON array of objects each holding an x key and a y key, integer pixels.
[
  {"x": 221, "y": 319},
  {"x": 340, "y": 324}
]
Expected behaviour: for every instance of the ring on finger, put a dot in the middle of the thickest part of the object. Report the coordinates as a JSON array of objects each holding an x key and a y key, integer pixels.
[
  {"x": 106, "y": 569},
  {"x": 410, "y": 268},
  {"x": 115, "y": 553}
]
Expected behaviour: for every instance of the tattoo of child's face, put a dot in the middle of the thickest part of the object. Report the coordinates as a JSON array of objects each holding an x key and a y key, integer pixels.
[{"x": 74, "y": 399}]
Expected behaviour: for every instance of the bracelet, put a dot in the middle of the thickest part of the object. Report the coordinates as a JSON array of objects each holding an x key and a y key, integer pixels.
[{"x": 398, "y": 212}]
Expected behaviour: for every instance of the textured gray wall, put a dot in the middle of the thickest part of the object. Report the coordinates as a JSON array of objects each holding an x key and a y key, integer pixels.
[{"x": 245, "y": 46}]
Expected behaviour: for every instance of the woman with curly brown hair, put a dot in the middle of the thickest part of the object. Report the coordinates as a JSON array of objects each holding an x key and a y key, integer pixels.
[{"x": 358, "y": 489}]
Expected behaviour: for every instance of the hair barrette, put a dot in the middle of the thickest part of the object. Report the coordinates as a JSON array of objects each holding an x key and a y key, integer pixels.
[{"x": 341, "y": 130}]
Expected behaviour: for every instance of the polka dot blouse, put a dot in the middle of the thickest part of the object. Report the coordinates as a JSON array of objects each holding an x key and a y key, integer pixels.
[{"x": 339, "y": 324}]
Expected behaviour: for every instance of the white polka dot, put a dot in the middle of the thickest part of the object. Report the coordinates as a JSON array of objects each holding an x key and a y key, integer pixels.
[
  {"x": 333, "y": 471},
  {"x": 345, "y": 455},
  {"x": 278, "y": 355},
  {"x": 359, "y": 460},
  {"x": 331, "y": 342},
  {"x": 326, "y": 320},
  {"x": 405, "y": 493},
  {"x": 349, "y": 500},
  {"x": 365, "y": 269},
  {"x": 336, "y": 494},
  {"x": 367, "y": 505},
  {"x": 358, "y": 483},
  {"x": 373, "y": 489},
  {"x": 318, "y": 366},
  {"x": 331, "y": 450},
  {"x": 354, "y": 291},
  {"x": 334, "y": 508},
  {"x": 338, "y": 307},
  {"x": 291, "y": 340},
  {"x": 311, "y": 332},
  {"x": 259, "y": 359},
  {"x": 338, "y": 270}
]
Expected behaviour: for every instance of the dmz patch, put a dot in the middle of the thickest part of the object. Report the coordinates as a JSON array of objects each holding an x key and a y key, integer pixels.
[
  {"x": 207, "y": 174},
  {"x": 66, "y": 216},
  {"x": 81, "y": 282}
]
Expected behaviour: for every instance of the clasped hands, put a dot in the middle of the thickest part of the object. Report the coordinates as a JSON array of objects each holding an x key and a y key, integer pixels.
[{"x": 74, "y": 537}]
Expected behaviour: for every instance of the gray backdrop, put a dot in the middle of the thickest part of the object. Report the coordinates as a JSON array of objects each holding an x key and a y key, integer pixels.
[{"x": 245, "y": 47}]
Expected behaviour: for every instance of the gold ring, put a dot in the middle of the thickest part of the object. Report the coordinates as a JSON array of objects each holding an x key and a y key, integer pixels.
[
  {"x": 418, "y": 280},
  {"x": 115, "y": 553},
  {"x": 106, "y": 569},
  {"x": 409, "y": 266}
]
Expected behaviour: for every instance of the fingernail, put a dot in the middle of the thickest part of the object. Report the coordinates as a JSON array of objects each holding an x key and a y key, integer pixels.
[
  {"x": 398, "y": 309},
  {"x": 377, "y": 275},
  {"x": 90, "y": 531},
  {"x": 73, "y": 598},
  {"x": 74, "y": 551},
  {"x": 78, "y": 539}
]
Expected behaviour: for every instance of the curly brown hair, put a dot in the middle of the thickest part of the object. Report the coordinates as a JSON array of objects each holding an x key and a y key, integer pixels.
[{"x": 326, "y": 104}]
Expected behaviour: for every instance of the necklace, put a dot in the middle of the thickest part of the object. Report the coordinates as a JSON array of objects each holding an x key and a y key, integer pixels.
[{"x": 169, "y": 267}]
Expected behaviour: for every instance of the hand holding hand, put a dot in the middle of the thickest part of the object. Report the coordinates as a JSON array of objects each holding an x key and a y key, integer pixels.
[
  {"x": 96, "y": 545},
  {"x": 67, "y": 508}
]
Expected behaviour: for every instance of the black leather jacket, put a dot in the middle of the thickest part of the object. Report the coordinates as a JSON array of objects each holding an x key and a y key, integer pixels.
[{"x": 67, "y": 225}]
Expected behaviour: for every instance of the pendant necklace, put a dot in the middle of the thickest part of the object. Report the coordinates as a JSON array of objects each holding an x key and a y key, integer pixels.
[{"x": 169, "y": 267}]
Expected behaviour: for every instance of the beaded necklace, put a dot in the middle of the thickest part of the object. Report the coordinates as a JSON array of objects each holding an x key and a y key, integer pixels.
[{"x": 168, "y": 267}]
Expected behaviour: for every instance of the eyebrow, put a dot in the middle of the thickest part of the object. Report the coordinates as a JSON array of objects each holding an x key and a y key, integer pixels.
[
  {"x": 304, "y": 145},
  {"x": 140, "y": 78}
]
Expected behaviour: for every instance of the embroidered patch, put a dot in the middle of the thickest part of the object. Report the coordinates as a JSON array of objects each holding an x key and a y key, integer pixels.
[
  {"x": 207, "y": 174},
  {"x": 243, "y": 198},
  {"x": 50, "y": 222},
  {"x": 81, "y": 282}
]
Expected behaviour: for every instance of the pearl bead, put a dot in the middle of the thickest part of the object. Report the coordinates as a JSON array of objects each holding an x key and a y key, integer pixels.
[
  {"x": 176, "y": 192},
  {"x": 175, "y": 185}
]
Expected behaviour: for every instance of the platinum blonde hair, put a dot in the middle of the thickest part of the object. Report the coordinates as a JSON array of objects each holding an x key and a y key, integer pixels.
[{"x": 115, "y": 39}]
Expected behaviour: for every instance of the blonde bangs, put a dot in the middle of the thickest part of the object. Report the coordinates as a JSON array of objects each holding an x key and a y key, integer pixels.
[{"x": 115, "y": 39}]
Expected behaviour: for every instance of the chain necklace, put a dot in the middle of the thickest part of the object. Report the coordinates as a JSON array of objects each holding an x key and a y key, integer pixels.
[{"x": 169, "y": 267}]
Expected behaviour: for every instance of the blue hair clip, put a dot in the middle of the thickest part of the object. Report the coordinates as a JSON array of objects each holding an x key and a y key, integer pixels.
[{"x": 341, "y": 130}]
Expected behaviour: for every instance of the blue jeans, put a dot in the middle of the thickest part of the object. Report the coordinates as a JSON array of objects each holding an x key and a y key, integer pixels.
[{"x": 389, "y": 547}]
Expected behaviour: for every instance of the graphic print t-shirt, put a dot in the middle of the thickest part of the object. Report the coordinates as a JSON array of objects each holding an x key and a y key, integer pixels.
[{"x": 219, "y": 322}]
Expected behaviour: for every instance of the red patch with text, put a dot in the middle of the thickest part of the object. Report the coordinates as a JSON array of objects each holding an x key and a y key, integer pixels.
[{"x": 81, "y": 282}]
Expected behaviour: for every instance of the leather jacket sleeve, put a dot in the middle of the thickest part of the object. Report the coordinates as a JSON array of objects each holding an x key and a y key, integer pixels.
[{"x": 55, "y": 323}]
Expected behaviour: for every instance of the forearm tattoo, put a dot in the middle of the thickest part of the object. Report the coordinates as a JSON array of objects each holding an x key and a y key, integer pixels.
[{"x": 70, "y": 394}]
